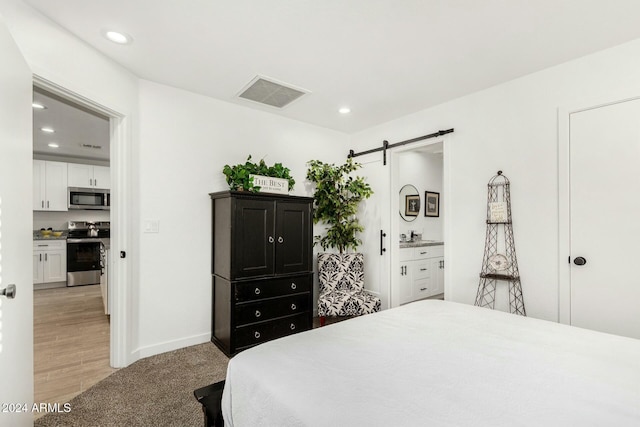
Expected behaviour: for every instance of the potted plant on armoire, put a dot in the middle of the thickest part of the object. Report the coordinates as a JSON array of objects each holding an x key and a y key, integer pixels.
[{"x": 341, "y": 275}]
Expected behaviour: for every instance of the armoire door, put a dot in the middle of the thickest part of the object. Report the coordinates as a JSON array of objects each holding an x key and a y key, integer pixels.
[
  {"x": 605, "y": 218},
  {"x": 253, "y": 238},
  {"x": 293, "y": 237}
]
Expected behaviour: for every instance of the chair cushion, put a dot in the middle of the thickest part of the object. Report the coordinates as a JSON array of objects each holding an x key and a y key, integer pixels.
[
  {"x": 344, "y": 272},
  {"x": 347, "y": 303}
]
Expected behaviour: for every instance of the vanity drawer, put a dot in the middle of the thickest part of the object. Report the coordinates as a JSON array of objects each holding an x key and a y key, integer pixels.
[
  {"x": 270, "y": 309},
  {"x": 260, "y": 332},
  {"x": 428, "y": 252},
  {"x": 406, "y": 254},
  {"x": 269, "y": 288},
  {"x": 422, "y": 289},
  {"x": 421, "y": 270}
]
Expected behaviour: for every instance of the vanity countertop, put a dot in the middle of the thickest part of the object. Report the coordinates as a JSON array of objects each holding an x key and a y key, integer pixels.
[{"x": 420, "y": 243}]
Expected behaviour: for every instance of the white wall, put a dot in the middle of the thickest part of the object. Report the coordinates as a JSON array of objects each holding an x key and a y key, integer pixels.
[
  {"x": 512, "y": 127},
  {"x": 423, "y": 171},
  {"x": 178, "y": 143},
  {"x": 185, "y": 140}
]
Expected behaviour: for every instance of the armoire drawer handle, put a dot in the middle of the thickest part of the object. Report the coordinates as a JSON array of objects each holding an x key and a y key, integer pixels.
[
  {"x": 293, "y": 307},
  {"x": 423, "y": 253},
  {"x": 293, "y": 286},
  {"x": 258, "y": 314},
  {"x": 256, "y": 334},
  {"x": 423, "y": 289},
  {"x": 257, "y": 291},
  {"x": 423, "y": 269},
  {"x": 292, "y": 326}
]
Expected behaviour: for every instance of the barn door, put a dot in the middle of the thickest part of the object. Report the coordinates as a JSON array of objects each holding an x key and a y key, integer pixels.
[{"x": 373, "y": 214}]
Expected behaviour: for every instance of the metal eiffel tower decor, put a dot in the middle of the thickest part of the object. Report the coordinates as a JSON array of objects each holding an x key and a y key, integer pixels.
[{"x": 499, "y": 263}]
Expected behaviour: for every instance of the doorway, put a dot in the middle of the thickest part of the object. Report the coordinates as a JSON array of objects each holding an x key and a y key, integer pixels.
[
  {"x": 116, "y": 158},
  {"x": 419, "y": 197},
  {"x": 599, "y": 179}
]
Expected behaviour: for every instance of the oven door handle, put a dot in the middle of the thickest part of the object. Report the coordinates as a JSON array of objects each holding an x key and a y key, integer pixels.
[{"x": 90, "y": 240}]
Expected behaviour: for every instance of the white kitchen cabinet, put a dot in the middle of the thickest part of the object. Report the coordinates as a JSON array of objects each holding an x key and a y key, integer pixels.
[
  {"x": 421, "y": 272},
  {"x": 49, "y": 261},
  {"x": 89, "y": 176},
  {"x": 49, "y": 186}
]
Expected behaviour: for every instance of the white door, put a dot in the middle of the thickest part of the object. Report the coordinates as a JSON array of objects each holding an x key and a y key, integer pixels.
[
  {"x": 102, "y": 177},
  {"x": 79, "y": 175},
  {"x": 56, "y": 186},
  {"x": 605, "y": 218},
  {"x": 55, "y": 266},
  {"x": 39, "y": 185},
  {"x": 38, "y": 267},
  {"x": 373, "y": 215},
  {"x": 16, "y": 247}
]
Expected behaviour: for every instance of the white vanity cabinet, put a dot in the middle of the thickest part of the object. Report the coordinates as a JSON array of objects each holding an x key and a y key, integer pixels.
[
  {"x": 49, "y": 261},
  {"x": 49, "y": 186},
  {"x": 421, "y": 272},
  {"x": 89, "y": 176}
]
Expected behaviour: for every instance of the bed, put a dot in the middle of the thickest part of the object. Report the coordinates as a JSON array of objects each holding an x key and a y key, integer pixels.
[{"x": 437, "y": 363}]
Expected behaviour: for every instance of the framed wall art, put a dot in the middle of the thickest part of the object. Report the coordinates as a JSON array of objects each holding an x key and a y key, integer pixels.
[
  {"x": 431, "y": 203},
  {"x": 412, "y": 205}
]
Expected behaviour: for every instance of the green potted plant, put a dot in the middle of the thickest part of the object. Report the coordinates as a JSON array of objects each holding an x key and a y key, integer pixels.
[
  {"x": 341, "y": 276},
  {"x": 336, "y": 199},
  {"x": 239, "y": 177}
]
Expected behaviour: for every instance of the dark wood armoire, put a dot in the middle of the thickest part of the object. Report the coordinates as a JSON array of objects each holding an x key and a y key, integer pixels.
[{"x": 262, "y": 268}]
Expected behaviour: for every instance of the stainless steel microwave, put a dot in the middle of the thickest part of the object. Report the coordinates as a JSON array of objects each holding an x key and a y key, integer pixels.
[{"x": 89, "y": 198}]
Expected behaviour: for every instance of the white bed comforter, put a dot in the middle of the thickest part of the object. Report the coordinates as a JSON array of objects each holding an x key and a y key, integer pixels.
[{"x": 436, "y": 363}]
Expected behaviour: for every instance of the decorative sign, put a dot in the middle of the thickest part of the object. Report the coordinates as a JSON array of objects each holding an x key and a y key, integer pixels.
[
  {"x": 498, "y": 212},
  {"x": 268, "y": 184}
]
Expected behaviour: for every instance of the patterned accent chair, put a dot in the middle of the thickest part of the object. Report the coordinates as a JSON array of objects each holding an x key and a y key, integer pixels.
[{"x": 342, "y": 290}]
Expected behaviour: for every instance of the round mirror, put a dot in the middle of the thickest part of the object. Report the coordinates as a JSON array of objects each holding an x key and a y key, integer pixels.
[{"x": 409, "y": 203}]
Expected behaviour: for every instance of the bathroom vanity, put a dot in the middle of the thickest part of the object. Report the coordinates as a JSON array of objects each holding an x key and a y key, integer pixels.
[{"x": 421, "y": 270}]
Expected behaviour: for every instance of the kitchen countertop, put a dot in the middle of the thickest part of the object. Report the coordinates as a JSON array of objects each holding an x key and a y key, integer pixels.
[
  {"x": 38, "y": 236},
  {"x": 420, "y": 244}
]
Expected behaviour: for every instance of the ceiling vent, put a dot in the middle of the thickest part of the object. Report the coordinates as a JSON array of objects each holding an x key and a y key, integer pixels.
[
  {"x": 95, "y": 147},
  {"x": 271, "y": 93}
]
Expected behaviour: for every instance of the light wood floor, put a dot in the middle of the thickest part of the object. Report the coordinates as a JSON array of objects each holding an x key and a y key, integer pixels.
[{"x": 71, "y": 342}]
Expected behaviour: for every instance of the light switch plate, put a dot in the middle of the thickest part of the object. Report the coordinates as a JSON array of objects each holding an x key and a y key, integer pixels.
[{"x": 151, "y": 226}]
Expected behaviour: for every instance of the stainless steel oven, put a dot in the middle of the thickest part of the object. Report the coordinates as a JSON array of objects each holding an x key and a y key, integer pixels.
[
  {"x": 89, "y": 198},
  {"x": 85, "y": 252}
]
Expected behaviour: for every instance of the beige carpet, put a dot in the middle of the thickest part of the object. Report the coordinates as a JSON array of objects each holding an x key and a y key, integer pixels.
[{"x": 156, "y": 391}]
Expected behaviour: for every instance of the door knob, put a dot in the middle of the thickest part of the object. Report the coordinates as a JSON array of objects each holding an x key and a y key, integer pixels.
[
  {"x": 579, "y": 261},
  {"x": 9, "y": 292}
]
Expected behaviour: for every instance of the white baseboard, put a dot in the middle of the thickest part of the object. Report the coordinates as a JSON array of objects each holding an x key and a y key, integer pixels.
[
  {"x": 166, "y": 346},
  {"x": 50, "y": 285}
]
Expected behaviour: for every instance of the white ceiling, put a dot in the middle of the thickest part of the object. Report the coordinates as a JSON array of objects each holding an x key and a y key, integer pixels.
[
  {"x": 382, "y": 58},
  {"x": 74, "y": 127}
]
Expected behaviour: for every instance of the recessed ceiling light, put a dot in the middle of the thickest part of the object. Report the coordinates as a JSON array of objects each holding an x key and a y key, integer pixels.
[
  {"x": 38, "y": 106},
  {"x": 47, "y": 130},
  {"x": 53, "y": 145},
  {"x": 344, "y": 110},
  {"x": 118, "y": 37}
]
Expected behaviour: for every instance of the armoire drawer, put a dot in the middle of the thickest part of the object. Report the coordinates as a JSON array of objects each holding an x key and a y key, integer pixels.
[
  {"x": 270, "y": 309},
  {"x": 260, "y": 332},
  {"x": 269, "y": 288}
]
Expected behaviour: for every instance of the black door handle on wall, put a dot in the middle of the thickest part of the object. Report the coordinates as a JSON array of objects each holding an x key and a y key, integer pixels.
[{"x": 382, "y": 248}]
